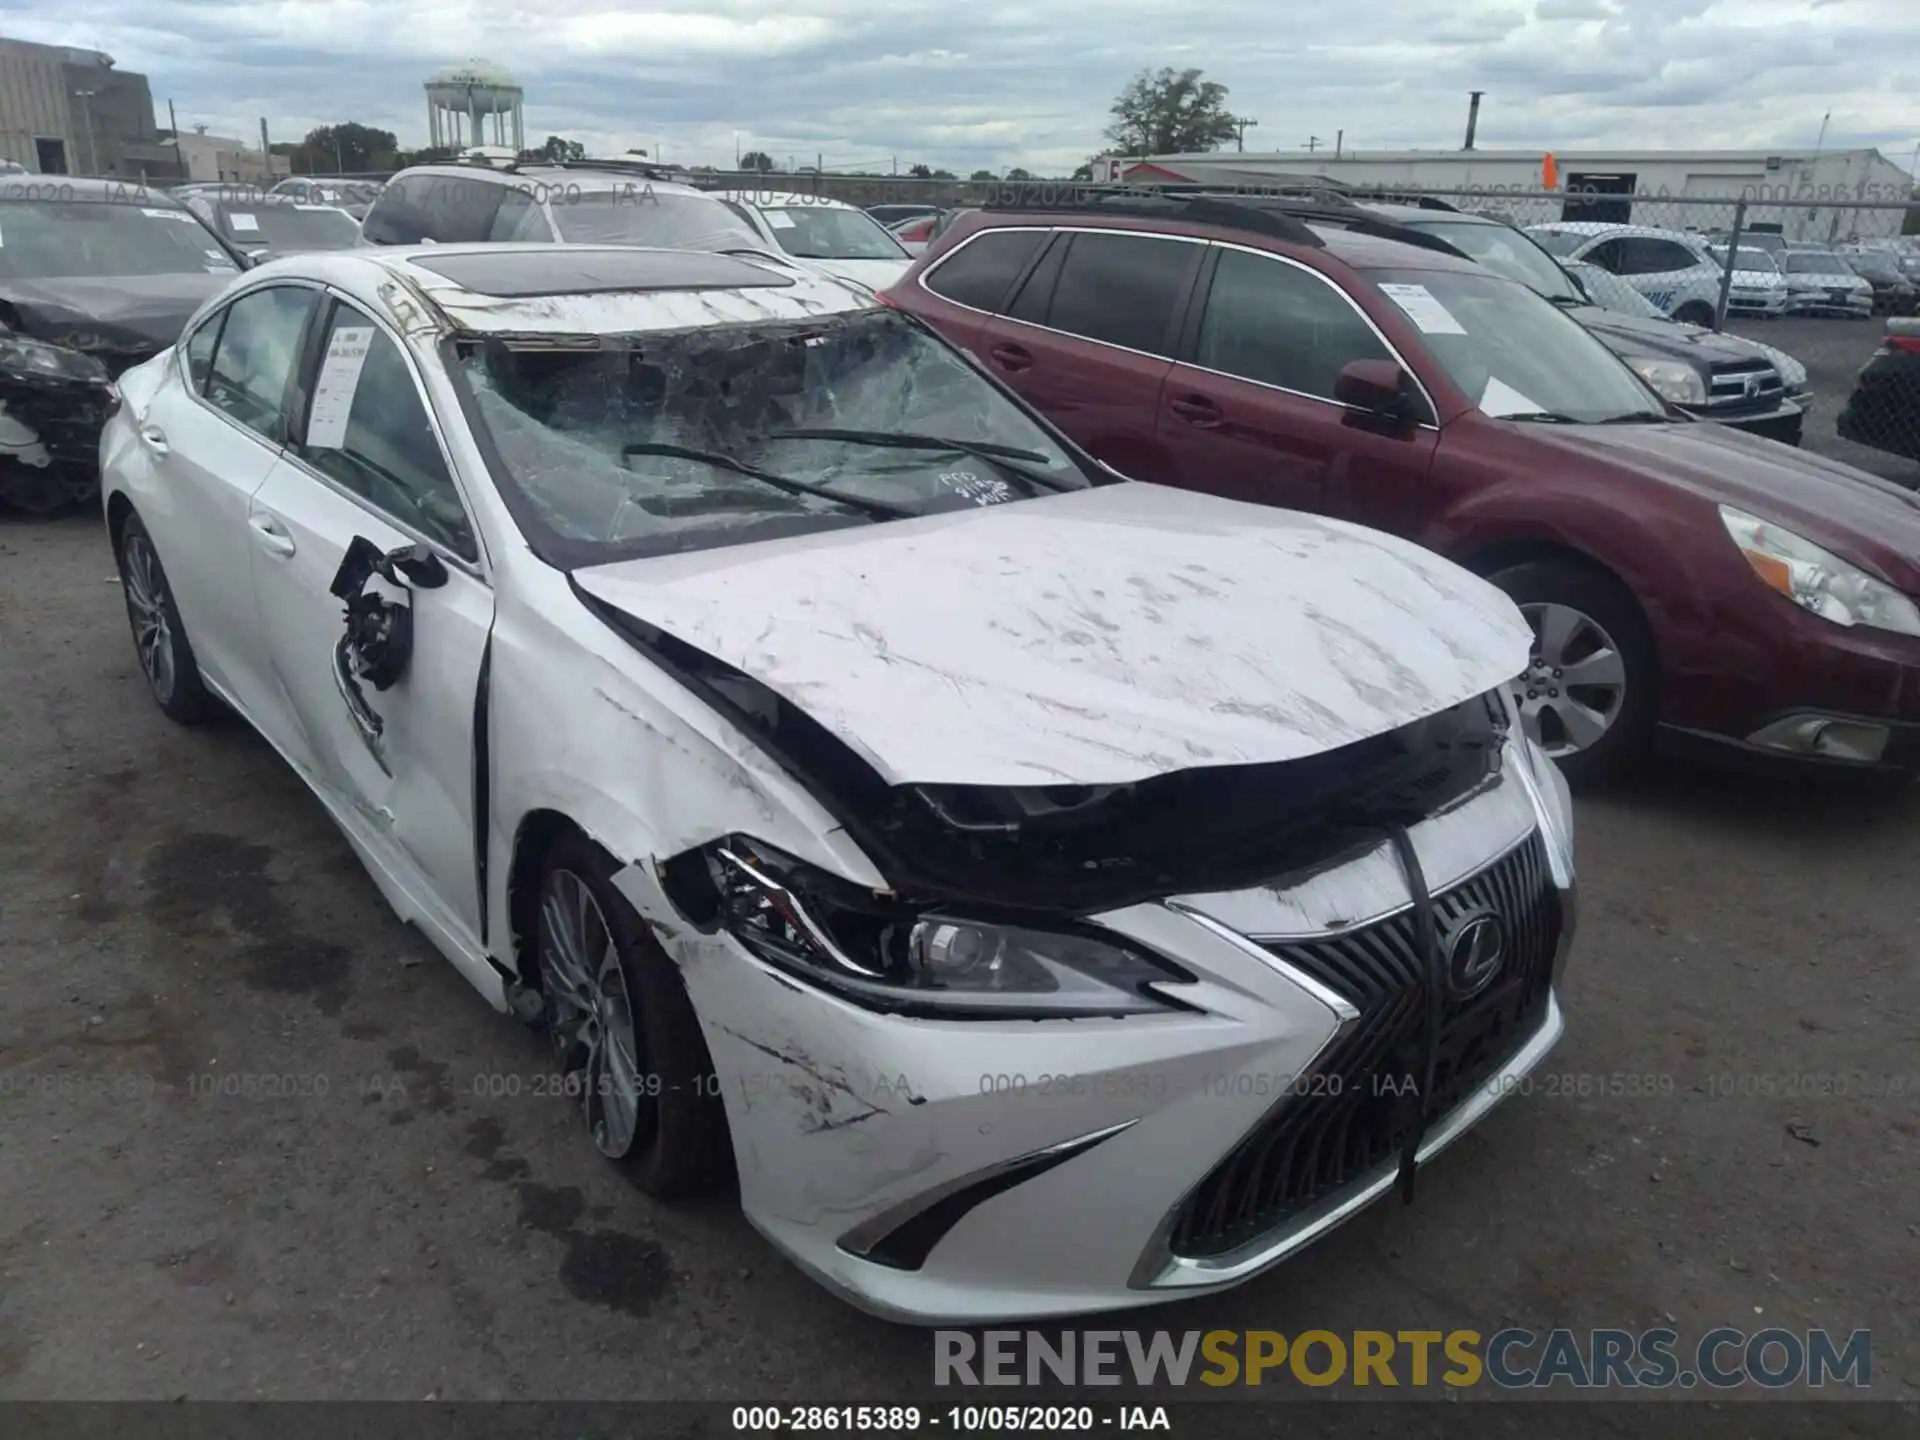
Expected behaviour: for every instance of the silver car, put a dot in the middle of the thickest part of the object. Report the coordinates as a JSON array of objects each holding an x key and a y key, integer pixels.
[
  {"x": 1819, "y": 282},
  {"x": 1048, "y": 893}
]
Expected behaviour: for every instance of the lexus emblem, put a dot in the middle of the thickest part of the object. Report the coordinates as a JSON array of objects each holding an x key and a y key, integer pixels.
[{"x": 1475, "y": 953}]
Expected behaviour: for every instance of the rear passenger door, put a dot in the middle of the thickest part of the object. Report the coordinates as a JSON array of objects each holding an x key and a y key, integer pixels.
[
  {"x": 971, "y": 283},
  {"x": 1249, "y": 412},
  {"x": 1088, "y": 339}
]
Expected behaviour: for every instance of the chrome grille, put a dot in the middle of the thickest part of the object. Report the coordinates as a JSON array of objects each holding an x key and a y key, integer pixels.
[
  {"x": 1353, "y": 1113},
  {"x": 1746, "y": 383}
]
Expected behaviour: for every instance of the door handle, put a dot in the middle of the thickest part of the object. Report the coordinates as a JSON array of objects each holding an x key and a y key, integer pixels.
[
  {"x": 270, "y": 537},
  {"x": 1196, "y": 410},
  {"x": 1011, "y": 357},
  {"x": 154, "y": 438}
]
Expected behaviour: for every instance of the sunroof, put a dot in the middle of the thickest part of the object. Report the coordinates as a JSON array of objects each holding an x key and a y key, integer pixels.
[{"x": 573, "y": 270}]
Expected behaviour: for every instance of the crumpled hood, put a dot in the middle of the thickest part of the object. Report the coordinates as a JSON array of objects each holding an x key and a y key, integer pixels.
[
  {"x": 124, "y": 315},
  {"x": 1858, "y": 516},
  {"x": 1098, "y": 637}
]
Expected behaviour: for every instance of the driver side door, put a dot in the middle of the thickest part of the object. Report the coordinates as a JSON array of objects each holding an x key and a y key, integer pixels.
[{"x": 388, "y": 715}]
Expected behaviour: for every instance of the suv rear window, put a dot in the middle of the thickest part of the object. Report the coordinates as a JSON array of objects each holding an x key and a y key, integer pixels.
[
  {"x": 984, "y": 268},
  {"x": 1123, "y": 288}
]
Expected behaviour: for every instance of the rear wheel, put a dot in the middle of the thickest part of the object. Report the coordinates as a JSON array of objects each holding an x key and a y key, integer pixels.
[
  {"x": 1695, "y": 312},
  {"x": 1589, "y": 693},
  {"x": 159, "y": 639}
]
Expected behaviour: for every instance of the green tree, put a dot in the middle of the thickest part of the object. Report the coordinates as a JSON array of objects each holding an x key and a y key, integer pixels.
[
  {"x": 557, "y": 149},
  {"x": 1018, "y": 174},
  {"x": 1171, "y": 112},
  {"x": 920, "y": 172},
  {"x": 345, "y": 147},
  {"x": 1082, "y": 172},
  {"x": 757, "y": 161},
  {"x": 983, "y": 175}
]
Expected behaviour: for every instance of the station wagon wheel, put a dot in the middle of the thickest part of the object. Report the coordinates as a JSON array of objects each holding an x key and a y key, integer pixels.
[
  {"x": 621, "y": 1022},
  {"x": 1588, "y": 693},
  {"x": 159, "y": 638}
]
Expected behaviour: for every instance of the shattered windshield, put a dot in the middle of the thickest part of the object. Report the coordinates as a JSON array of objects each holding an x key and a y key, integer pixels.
[
  {"x": 701, "y": 438},
  {"x": 815, "y": 232},
  {"x": 63, "y": 239},
  {"x": 636, "y": 213}
]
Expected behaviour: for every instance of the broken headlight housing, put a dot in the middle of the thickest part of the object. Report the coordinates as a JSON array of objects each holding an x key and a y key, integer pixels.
[
  {"x": 893, "y": 955},
  {"x": 35, "y": 359}
]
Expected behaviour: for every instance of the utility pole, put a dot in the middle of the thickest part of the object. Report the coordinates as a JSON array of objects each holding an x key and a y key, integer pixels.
[
  {"x": 93, "y": 150},
  {"x": 1241, "y": 126},
  {"x": 1821, "y": 143},
  {"x": 1339, "y": 142},
  {"x": 339, "y": 160},
  {"x": 174, "y": 121},
  {"x": 1314, "y": 142},
  {"x": 1473, "y": 116},
  {"x": 736, "y": 150}
]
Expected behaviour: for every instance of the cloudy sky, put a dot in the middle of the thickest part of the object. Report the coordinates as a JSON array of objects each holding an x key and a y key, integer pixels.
[{"x": 992, "y": 83}]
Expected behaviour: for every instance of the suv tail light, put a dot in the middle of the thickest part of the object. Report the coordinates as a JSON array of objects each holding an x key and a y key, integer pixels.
[{"x": 1906, "y": 344}]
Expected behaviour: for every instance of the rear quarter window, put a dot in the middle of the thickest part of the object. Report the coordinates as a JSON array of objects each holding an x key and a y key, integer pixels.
[{"x": 982, "y": 270}]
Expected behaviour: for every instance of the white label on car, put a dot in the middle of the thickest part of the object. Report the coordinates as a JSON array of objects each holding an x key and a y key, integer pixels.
[
  {"x": 218, "y": 257},
  {"x": 240, "y": 220},
  {"x": 973, "y": 487},
  {"x": 1501, "y": 398},
  {"x": 779, "y": 219},
  {"x": 303, "y": 205},
  {"x": 339, "y": 378},
  {"x": 1429, "y": 314},
  {"x": 169, "y": 215}
]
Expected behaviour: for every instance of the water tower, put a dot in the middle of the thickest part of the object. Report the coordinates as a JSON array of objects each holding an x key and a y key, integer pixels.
[{"x": 474, "y": 103}]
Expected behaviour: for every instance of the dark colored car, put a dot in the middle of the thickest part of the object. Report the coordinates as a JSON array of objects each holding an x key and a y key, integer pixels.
[
  {"x": 1682, "y": 578},
  {"x": 1884, "y": 409},
  {"x": 95, "y": 276},
  {"x": 1894, "y": 291},
  {"x": 1709, "y": 375},
  {"x": 262, "y": 225}
]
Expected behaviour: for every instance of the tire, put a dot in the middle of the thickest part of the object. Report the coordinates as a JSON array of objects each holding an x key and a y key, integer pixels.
[
  {"x": 1694, "y": 313},
  {"x": 679, "y": 1144},
  {"x": 1545, "y": 591},
  {"x": 159, "y": 637}
]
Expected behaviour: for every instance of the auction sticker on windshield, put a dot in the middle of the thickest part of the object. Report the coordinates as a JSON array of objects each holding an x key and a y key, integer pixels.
[
  {"x": 1429, "y": 314},
  {"x": 339, "y": 378},
  {"x": 241, "y": 221},
  {"x": 779, "y": 220},
  {"x": 168, "y": 214}
]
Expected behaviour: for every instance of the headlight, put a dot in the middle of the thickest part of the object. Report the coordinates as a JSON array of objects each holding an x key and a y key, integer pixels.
[
  {"x": 1818, "y": 580},
  {"x": 1670, "y": 379},
  {"x": 21, "y": 356},
  {"x": 883, "y": 953}
]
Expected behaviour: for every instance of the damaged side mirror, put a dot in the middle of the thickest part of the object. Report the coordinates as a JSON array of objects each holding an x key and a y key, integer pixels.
[{"x": 379, "y": 638}]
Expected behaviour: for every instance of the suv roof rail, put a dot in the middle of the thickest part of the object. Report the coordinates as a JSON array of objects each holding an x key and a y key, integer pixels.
[
  {"x": 1356, "y": 218},
  {"x": 1400, "y": 197},
  {"x": 1198, "y": 209},
  {"x": 644, "y": 168}
]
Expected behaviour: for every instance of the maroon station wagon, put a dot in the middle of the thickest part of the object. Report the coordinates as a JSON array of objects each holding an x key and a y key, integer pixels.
[{"x": 1682, "y": 579}]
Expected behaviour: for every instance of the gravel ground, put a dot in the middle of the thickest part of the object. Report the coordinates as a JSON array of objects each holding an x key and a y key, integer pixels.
[{"x": 174, "y": 909}]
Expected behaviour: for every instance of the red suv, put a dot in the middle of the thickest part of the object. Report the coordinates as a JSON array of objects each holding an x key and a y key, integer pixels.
[{"x": 1680, "y": 576}]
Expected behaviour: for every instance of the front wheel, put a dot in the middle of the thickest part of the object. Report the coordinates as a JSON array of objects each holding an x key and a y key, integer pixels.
[
  {"x": 1589, "y": 693},
  {"x": 1694, "y": 313},
  {"x": 624, "y": 1030}
]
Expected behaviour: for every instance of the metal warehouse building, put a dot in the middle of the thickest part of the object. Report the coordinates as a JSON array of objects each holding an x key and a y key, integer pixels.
[
  {"x": 1630, "y": 186},
  {"x": 68, "y": 111}
]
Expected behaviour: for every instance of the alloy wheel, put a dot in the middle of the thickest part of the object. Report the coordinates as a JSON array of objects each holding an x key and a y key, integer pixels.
[
  {"x": 1575, "y": 683},
  {"x": 590, "y": 1014},
  {"x": 146, "y": 591}
]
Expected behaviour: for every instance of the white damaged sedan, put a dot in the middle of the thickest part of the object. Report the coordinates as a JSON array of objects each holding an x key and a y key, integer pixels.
[{"x": 1049, "y": 893}]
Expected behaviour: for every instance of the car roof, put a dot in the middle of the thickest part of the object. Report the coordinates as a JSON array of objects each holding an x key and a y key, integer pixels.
[
  {"x": 545, "y": 289},
  {"x": 79, "y": 187},
  {"x": 1607, "y": 227},
  {"x": 571, "y": 177},
  {"x": 781, "y": 198}
]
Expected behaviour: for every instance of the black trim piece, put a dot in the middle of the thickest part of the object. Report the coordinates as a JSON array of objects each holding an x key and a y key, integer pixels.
[
  {"x": 1052, "y": 253},
  {"x": 482, "y": 778},
  {"x": 908, "y": 1244},
  {"x": 1186, "y": 341},
  {"x": 1433, "y": 964},
  {"x": 1271, "y": 221}
]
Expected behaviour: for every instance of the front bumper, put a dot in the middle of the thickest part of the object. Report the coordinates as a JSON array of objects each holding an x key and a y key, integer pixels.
[
  {"x": 1783, "y": 422},
  {"x": 1811, "y": 302},
  {"x": 962, "y": 1172},
  {"x": 1757, "y": 302}
]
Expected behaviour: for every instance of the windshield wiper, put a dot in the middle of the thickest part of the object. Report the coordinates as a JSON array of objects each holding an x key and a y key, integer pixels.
[
  {"x": 1001, "y": 457},
  {"x": 875, "y": 509},
  {"x": 1544, "y": 417},
  {"x": 1635, "y": 417}
]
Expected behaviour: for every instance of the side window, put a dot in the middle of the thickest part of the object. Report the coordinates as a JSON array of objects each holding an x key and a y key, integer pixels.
[
  {"x": 1036, "y": 292},
  {"x": 1124, "y": 289},
  {"x": 258, "y": 348},
  {"x": 367, "y": 429},
  {"x": 199, "y": 351},
  {"x": 982, "y": 270},
  {"x": 1271, "y": 322},
  {"x": 458, "y": 209},
  {"x": 1669, "y": 255},
  {"x": 394, "y": 219},
  {"x": 1608, "y": 255},
  {"x": 520, "y": 218}
]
